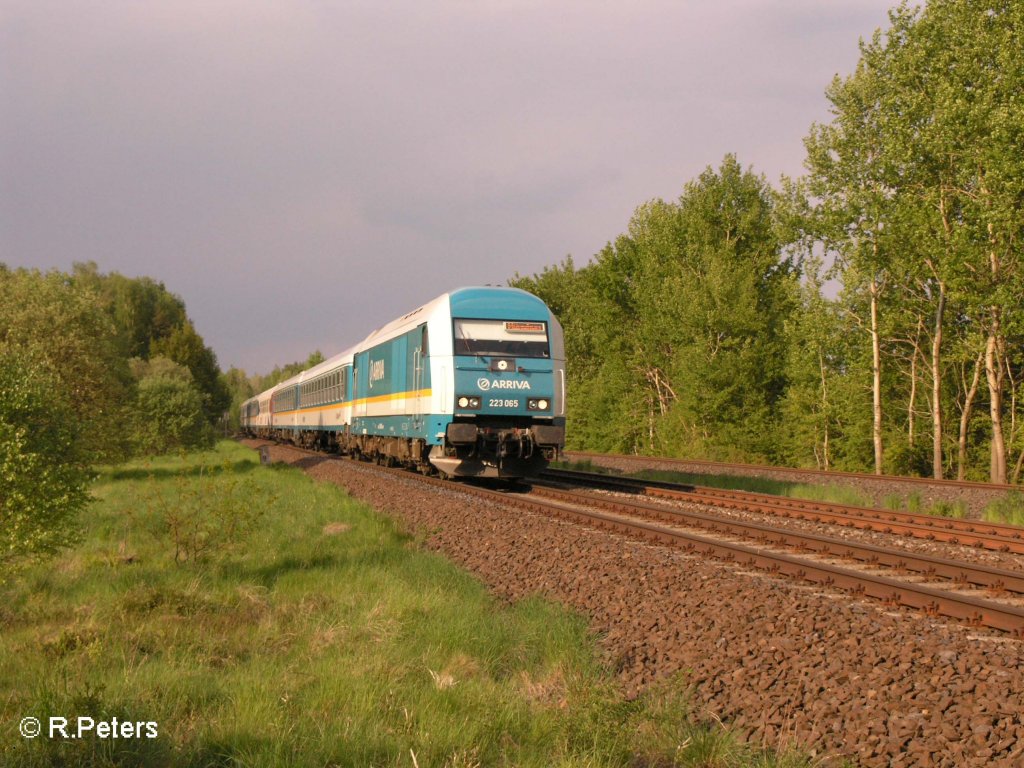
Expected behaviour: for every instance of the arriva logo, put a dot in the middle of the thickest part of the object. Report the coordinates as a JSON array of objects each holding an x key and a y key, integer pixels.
[
  {"x": 376, "y": 371},
  {"x": 488, "y": 384}
]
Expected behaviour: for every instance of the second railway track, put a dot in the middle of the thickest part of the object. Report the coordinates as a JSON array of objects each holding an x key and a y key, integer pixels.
[
  {"x": 769, "y": 470},
  {"x": 995, "y": 579},
  {"x": 994, "y": 536},
  {"x": 762, "y": 553}
]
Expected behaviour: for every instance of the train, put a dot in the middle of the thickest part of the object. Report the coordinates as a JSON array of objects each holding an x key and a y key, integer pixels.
[{"x": 471, "y": 384}]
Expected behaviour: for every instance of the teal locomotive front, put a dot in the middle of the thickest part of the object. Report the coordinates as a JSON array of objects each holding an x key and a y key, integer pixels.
[{"x": 508, "y": 365}]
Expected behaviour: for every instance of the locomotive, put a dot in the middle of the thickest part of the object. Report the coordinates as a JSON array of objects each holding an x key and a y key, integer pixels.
[{"x": 471, "y": 384}]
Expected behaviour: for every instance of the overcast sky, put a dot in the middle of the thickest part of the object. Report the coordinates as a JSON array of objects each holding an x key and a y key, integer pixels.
[{"x": 302, "y": 172}]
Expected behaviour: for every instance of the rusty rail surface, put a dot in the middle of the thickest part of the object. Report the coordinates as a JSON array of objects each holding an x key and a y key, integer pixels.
[
  {"x": 827, "y": 473},
  {"x": 996, "y": 579},
  {"x": 935, "y": 602},
  {"x": 995, "y": 536}
]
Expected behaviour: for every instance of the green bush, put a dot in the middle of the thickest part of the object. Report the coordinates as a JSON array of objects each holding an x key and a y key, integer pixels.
[
  {"x": 909, "y": 460},
  {"x": 957, "y": 509},
  {"x": 42, "y": 481},
  {"x": 63, "y": 328},
  {"x": 169, "y": 416}
]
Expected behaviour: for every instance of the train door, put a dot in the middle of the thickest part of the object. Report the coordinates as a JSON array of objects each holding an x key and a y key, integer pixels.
[
  {"x": 416, "y": 378},
  {"x": 358, "y": 401}
]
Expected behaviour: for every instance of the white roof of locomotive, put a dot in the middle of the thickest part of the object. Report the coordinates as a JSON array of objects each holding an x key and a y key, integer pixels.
[{"x": 407, "y": 322}]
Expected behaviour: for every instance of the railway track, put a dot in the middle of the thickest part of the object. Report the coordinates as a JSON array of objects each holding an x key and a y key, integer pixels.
[
  {"x": 998, "y": 580},
  {"x": 831, "y": 474},
  {"x": 758, "y": 546},
  {"x": 762, "y": 552},
  {"x": 995, "y": 536}
]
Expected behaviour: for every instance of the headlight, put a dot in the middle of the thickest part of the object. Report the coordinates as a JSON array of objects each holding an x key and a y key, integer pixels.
[
  {"x": 468, "y": 402},
  {"x": 538, "y": 404}
]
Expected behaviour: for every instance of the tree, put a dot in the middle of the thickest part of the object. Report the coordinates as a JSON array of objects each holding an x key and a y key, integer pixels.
[
  {"x": 237, "y": 383},
  {"x": 593, "y": 307},
  {"x": 922, "y": 165},
  {"x": 849, "y": 176},
  {"x": 675, "y": 334},
  {"x": 282, "y": 372},
  {"x": 142, "y": 309},
  {"x": 169, "y": 416},
  {"x": 63, "y": 328},
  {"x": 42, "y": 473},
  {"x": 150, "y": 321},
  {"x": 814, "y": 361},
  {"x": 729, "y": 293},
  {"x": 186, "y": 347}
]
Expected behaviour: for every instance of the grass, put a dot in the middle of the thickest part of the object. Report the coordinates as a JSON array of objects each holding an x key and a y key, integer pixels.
[
  {"x": 914, "y": 503},
  {"x": 1009, "y": 509},
  {"x": 317, "y": 633}
]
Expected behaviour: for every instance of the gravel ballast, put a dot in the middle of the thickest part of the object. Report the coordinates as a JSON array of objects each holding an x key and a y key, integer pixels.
[{"x": 785, "y": 663}]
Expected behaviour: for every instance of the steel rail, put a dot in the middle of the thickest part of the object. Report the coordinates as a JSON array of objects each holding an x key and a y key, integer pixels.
[
  {"x": 994, "y": 536},
  {"x": 997, "y": 579},
  {"x": 935, "y": 602},
  {"x": 831, "y": 473}
]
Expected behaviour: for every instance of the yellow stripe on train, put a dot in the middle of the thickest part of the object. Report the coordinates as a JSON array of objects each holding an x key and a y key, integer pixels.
[{"x": 360, "y": 401}]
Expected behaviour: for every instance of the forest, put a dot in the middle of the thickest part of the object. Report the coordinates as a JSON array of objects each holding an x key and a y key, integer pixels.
[{"x": 866, "y": 316}]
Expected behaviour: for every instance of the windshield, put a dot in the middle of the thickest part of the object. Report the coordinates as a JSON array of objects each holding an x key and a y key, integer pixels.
[{"x": 506, "y": 338}]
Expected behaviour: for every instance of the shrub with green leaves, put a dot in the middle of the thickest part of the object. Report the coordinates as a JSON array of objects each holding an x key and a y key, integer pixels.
[
  {"x": 169, "y": 416},
  {"x": 63, "y": 328},
  {"x": 42, "y": 482},
  {"x": 909, "y": 460}
]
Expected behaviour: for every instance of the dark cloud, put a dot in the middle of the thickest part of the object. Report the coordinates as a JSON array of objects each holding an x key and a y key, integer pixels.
[{"x": 302, "y": 172}]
